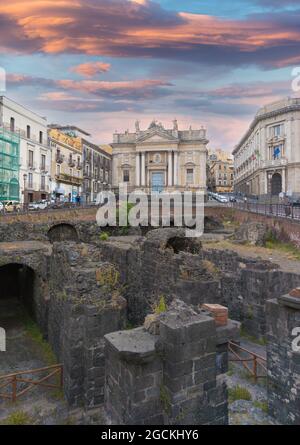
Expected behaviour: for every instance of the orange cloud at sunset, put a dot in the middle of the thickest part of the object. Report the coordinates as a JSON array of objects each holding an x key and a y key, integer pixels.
[
  {"x": 130, "y": 28},
  {"x": 90, "y": 69}
]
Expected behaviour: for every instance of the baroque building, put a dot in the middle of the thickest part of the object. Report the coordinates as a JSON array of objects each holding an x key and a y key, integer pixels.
[
  {"x": 267, "y": 159},
  {"x": 159, "y": 159},
  {"x": 220, "y": 171}
]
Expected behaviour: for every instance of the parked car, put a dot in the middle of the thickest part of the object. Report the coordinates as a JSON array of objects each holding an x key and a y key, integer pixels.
[
  {"x": 1, "y": 207},
  {"x": 223, "y": 199},
  {"x": 295, "y": 203},
  {"x": 38, "y": 205},
  {"x": 12, "y": 206},
  {"x": 62, "y": 205}
]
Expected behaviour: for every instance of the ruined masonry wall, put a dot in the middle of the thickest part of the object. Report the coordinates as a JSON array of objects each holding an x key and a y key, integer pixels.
[
  {"x": 172, "y": 378},
  {"x": 283, "y": 363}
]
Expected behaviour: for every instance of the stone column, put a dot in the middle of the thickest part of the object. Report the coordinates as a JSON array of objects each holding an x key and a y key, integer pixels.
[
  {"x": 170, "y": 169},
  {"x": 283, "y": 358},
  {"x": 137, "y": 170},
  {"x": 143, "y": 167},
  {"x": 175, "y": 168}
]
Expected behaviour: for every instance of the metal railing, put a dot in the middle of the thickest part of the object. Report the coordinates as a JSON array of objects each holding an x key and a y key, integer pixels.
[
  {"x": 11, "y": 382},
  {"x": 276, "y": 210},
  {"x": 246, "y": 357},
  {"x": 23, "y": 209}
]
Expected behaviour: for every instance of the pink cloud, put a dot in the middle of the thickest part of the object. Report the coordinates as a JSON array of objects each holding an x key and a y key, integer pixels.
[
  {"x": 123, "y": 28},
  {"x": 130, "y": 89},
  {"x": 90, "y": 69}
]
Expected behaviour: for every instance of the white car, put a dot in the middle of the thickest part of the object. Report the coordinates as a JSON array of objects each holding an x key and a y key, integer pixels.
[
  {"x": 39, "y": 205},
  {"x": 223, "y": 199},
  {"x": 1, "y": 207},
  {"x": 220, "y": 198}
]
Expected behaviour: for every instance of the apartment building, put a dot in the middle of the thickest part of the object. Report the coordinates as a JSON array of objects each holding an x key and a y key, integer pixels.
[
  {"x": 220, "y": 171},
  {"x": 66, "y": 167},
  {"x": 26, "y": 153},
  {"x": 97, "y": 170}
]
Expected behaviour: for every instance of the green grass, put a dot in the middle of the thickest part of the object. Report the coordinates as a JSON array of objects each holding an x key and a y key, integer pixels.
[
  {"x": 33, "y": 331},
  {"x": 238, "y": 393},
  {"x": 18, "y": 418},
  {"x": 284, "y": 247}
]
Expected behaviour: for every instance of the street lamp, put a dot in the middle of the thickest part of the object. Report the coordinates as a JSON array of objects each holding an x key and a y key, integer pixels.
[
  {"x": 25, "y": 179},
  {"x": 270, "y": 174}
]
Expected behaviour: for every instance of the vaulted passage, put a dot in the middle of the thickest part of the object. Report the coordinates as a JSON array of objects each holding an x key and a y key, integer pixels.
[
  {"x": 20, "y": 289},
  {"x": 63, "y": 232},
  {"x": 18, "y": 283}
]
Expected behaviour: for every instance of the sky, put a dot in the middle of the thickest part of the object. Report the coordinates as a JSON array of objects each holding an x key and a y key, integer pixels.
[{"x": 103, "y": 64}]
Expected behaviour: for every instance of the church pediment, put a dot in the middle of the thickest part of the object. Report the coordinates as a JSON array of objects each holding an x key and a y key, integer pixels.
[{"x": 156, "y": 136}]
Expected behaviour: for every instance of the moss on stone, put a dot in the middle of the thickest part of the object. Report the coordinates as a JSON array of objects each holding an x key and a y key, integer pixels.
[{"x": 165, "y": 399}]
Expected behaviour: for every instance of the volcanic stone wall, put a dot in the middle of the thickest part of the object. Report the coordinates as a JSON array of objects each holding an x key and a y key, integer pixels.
[
  {"x": 283, "y": 358},
  {"x": 169, "y": 377},
  {"x": 85, "y": 305},
  {"x": 150, "y": 269}
]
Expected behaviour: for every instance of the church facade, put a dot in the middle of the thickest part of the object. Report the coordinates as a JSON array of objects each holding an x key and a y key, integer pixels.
[{"x": 159, "y": 159}]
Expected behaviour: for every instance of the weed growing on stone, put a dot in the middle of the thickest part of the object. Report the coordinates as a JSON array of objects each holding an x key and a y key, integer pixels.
[
  {"x": 261, "y": 404},
  {"x": 18, "y": 418},
  {"x": 230, "y": 371},
  {"x": 238, "y": 393},
  {"x": 161, "y": 306},
  {"x": 165, "y": 400},
  {"x": 259, "y": 341},
  {"x": 211, "y": 268},
  {"x": 104, "y": 236}
]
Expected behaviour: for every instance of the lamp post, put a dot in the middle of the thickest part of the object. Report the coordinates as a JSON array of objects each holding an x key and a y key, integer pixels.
[
  {"x": 25, "y": 179},
  {"x": 270, "y": 175}
]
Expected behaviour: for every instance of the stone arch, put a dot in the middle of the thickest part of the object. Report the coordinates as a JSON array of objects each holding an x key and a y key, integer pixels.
[
  {"x": 181, "y": 244},
  {"x": 276, "y": 184},
  {"x": 19, "y": 281},
  {"x": 63, "y": 232},
  {"x": 172, "y": 239}
]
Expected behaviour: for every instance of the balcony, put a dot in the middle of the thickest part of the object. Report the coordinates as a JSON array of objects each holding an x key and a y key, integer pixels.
[
  {"x": 31, "y": 165},
  {"x": 276, "y": 139},
  {"x": 274, "y": 163},
  {"x": 44, "y": 188},
  {"x": 71, "y": 162},
  {"x": 44, "y": 168},
  {"x": 79, "y": 166},
  {"x": 59, "y": 158},
  {"x": 68, "y": 179},
  {"x": 34, "y": 186}
]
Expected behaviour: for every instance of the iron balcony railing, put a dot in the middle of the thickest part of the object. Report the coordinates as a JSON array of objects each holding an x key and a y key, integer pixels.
[{"x": 63, "y": 177}]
